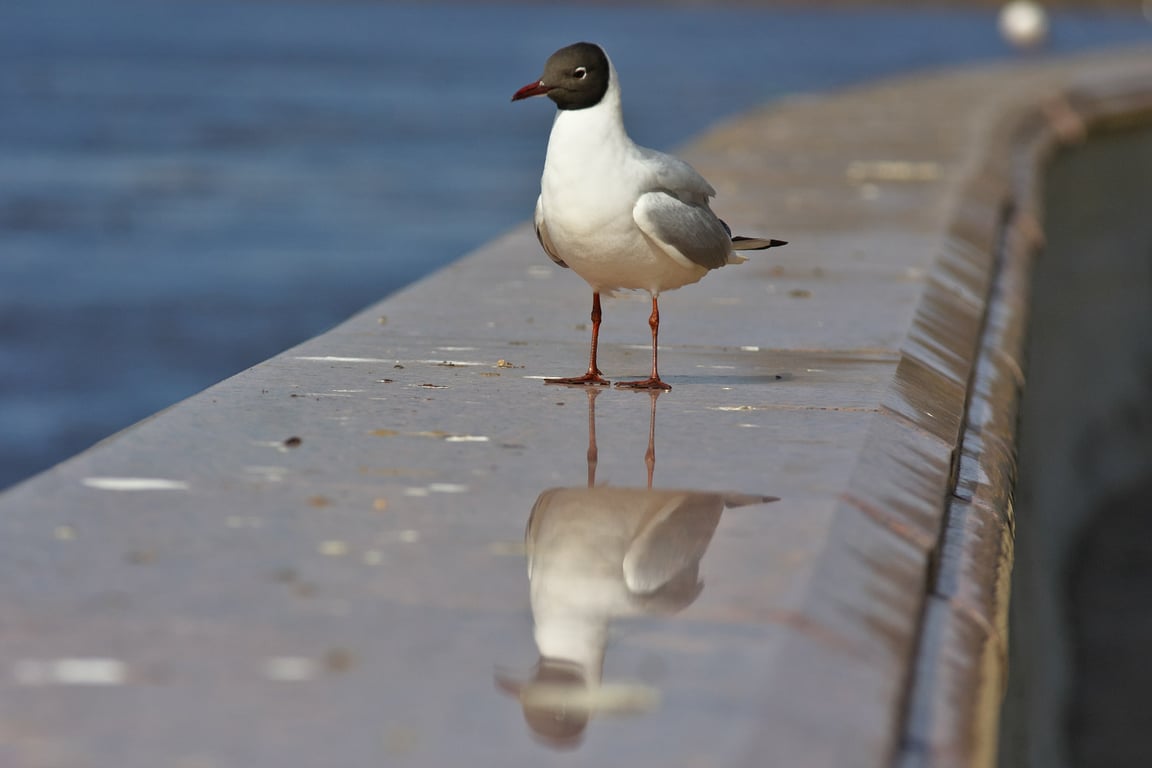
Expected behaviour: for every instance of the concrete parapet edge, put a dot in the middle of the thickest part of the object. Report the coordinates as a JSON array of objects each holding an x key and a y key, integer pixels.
[{"x": 962, "y": 657}]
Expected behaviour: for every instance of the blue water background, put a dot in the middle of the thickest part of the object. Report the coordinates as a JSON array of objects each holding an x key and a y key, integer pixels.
[{"x": 188, "y": 187}]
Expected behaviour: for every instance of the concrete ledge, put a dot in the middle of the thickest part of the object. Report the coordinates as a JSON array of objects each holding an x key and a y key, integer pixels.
[{"x": 318, "y": 561}]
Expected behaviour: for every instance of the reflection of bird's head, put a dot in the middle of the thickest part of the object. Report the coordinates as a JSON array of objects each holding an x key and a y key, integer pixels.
[{"x": 554, "y": 702}]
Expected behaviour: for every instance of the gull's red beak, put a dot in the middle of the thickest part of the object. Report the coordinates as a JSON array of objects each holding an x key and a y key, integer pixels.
[{"x": 532, "y": 89}]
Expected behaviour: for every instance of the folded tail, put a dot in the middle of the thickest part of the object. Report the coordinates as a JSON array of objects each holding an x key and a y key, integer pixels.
[{"x": 754, "y": 243}]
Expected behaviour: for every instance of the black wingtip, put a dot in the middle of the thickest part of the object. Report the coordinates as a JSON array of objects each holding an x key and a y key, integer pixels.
[{"x": 755, "y": 243}]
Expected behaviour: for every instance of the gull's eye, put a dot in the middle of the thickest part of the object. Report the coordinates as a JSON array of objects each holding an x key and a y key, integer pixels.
[{"x": 580, "y": 73}]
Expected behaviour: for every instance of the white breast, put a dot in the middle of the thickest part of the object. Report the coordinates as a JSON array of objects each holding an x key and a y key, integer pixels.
[{"x": 592, "y": 177}]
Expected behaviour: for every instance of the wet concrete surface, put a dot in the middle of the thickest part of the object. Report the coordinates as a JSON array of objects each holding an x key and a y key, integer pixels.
[{"x": 322, "y": 560}]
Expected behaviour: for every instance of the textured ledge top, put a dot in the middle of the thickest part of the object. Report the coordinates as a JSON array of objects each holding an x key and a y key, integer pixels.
[{"x": 321, "y": 561}]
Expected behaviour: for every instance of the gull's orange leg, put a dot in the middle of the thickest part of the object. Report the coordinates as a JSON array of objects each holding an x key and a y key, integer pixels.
[
  {"x": 594, "y": 377},
  {"x": 653, "y": 381}
]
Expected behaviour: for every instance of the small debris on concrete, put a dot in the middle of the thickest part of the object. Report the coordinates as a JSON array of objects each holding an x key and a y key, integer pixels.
[
  {"x": 289, "y": 669},
  {"x": 338, "y": 660},
  {"x": 285, "y": 575},
  {"x": 140, "y": 557},
  {"x": 293, "y": 442},
  {"x": 333, "y": 548}
]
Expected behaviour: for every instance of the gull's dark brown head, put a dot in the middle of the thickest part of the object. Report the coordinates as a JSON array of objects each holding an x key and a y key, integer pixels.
[{"x": 575, "y": 77}]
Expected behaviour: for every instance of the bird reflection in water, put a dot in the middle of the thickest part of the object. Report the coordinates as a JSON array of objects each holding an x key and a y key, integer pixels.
[{"x": 596, "y": 554}]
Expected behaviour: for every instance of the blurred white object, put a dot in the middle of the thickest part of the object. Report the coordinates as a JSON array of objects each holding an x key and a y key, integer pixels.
[{"x": 1024, "y": 24}]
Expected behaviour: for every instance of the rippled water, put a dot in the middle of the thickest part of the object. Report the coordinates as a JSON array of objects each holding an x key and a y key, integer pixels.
[{"x": 189, "y": 186}]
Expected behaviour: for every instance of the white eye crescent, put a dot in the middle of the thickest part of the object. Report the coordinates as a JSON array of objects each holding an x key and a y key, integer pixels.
[{"x": 580, "y": 73}]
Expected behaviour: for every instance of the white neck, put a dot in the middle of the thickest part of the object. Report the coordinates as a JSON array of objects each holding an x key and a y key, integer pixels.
[
  {"x": 579, "y": 639},
  {"x": 580, "y": 133}
]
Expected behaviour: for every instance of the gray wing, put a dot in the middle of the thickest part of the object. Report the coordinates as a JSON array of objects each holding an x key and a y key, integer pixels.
[
  {"x": 542, "y": 236},
  {"x": 688, "y": 231},
  {"x": 672, "y": 543},
  {"x": 673, "y": 175}
]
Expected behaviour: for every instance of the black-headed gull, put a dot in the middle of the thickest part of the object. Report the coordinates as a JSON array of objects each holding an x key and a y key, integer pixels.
[{"x": 619, "y": 215}]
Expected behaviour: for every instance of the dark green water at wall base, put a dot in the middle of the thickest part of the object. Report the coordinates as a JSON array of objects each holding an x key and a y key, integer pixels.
[{"x": 1081, "y": 616}]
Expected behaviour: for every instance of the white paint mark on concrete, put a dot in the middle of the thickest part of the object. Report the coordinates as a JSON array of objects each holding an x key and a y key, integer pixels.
[
  {"x": 451, "y": 363},
  {"x": 290, "y": 669},
  {"x": 278, "y": 445},
  {"x": 135, "y": 484},
  {"x": 455, "y": 349},
  {"x": 269, "y": 474},
  {"x": 893, "y": 170},
  {"x": 447, "y": 488},
  {"x": 335, "y": 359},
  {"x": 70, "y": 671},
  {"x": 415, "y": 491},
  {"x": 466, "y": 439},
  {"x": 750, "y": 349}
]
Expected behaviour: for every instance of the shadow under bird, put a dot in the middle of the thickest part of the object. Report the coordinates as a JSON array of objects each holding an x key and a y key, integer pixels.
[{"x": 621, "y": 216}]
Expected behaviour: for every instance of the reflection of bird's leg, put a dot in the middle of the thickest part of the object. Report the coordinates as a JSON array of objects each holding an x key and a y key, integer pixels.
[
  {"x": 593, "y": 454},
  {"x": 593, "y": 377},
  {"x": 650, "y": 454},
  {"x": 653, "y": 381}
]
